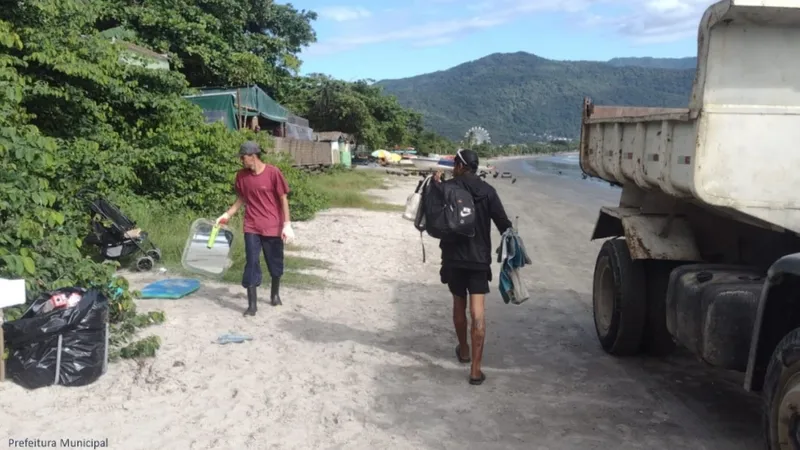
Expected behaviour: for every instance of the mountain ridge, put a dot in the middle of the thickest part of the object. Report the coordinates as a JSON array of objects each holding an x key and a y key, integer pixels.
[{"x": 521, "y": 97}]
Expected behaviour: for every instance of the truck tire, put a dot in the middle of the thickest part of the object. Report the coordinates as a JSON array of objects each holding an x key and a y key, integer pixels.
[
  {"x": 619, "y": 299},
  {"x": 656, "y": 340},
  {"x": 782, "y": 395}
]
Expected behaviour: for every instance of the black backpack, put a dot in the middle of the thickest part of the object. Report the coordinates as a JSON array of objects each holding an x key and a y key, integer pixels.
[{"x": 446, "y": 211}]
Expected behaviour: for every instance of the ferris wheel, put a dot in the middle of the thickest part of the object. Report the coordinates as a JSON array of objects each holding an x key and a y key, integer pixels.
[{"x": 477, "y": 136}]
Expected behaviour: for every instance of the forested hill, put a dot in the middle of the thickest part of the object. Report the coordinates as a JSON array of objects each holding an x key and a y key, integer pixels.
[
  {"x": 656, "y": 63},
  {"x": 520, "y": 97}
]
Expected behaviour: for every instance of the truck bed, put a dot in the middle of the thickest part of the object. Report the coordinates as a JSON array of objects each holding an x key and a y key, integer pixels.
[
  {"x": 735, "y": 147},
  {"x": 624, "y": 144}
]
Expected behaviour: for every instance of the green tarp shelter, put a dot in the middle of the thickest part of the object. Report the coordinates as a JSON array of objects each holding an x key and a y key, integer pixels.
[{"x": 223, "y": 105}]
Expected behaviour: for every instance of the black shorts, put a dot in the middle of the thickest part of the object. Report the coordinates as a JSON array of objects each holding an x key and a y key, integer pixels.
[{"x": 464, "y": 281}]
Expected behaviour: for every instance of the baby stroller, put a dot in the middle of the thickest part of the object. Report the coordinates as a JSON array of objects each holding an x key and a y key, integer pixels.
[{"x": 116, "y": 235}]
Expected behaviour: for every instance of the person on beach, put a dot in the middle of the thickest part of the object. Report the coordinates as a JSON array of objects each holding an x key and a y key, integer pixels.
[
  {"x": 263, "y": 191},
  {"x": 466, "y": 262}
]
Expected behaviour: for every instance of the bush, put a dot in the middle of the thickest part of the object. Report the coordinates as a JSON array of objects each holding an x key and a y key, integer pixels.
[{"x": 304, "y": 199}]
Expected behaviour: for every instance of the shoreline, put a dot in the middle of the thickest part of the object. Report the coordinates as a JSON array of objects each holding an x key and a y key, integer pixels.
[{"x": 501, "y": 159}]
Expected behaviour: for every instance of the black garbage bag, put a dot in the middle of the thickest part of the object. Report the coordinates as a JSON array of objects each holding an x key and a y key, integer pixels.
[{"x": 66, "y": 346}]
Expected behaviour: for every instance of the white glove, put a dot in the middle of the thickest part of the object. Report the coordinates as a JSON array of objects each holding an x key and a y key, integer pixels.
[
  {"x": 288, "y": 233},
  {"x": 223, "y": 219}
]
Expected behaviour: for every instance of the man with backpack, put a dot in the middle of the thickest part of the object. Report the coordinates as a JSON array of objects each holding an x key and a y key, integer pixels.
[{"x": 470, "y": 205}]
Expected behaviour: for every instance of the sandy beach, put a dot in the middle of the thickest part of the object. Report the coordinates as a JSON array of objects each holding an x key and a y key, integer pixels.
[{"x": 367, "y": 361}]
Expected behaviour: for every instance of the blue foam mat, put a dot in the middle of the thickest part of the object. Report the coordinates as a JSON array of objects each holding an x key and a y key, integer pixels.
[{"x": 173, "y": 288}]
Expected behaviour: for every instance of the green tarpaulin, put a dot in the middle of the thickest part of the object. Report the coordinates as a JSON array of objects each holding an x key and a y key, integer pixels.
[
  {"x": 222, "y": 105},
  {"x": 217, "y": 108}
]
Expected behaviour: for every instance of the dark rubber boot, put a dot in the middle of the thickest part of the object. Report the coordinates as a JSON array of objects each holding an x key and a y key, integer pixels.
[
  {"x": 275, "y": 291},
  {"x": 252, "y": 300}
]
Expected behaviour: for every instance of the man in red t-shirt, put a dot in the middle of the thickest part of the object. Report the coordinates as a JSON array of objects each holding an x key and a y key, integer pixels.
[{"x": 263, "y": 190}]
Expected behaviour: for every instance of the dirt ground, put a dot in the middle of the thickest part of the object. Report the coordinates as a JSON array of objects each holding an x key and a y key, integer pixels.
[{"x": 368, "y": 361}]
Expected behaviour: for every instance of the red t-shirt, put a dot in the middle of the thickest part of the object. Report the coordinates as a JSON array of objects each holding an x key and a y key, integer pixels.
[{"x": 261, "y": 194}]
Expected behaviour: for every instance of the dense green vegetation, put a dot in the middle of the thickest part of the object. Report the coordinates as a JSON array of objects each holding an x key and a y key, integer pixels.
[
  {"x": 215, "y": 42},
  {"x": 519, "y": 97},
  {"x": 73, "y": 116},
  {"x": 359, "y": 108},
  {"x": 688, "y": 63}
]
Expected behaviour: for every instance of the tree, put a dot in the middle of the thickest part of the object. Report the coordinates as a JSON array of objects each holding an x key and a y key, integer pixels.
[
  {"x": 427, "y": 142},
  {"x": 220, "y": 42},
  {"x": 359, "y": 108}
]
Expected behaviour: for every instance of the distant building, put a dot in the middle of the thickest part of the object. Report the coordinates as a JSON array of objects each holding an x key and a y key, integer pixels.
[
  {"x": 136, "y": 54},
  {"x": 341, "y": 144},
  {"x": 140, "y": 56},
  {"x": 338, "y": 140}
]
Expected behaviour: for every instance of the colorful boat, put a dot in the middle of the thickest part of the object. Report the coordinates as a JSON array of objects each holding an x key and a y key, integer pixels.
[
  {"x": 447, "y": 162},
  {"x": 426, "y": 163}
]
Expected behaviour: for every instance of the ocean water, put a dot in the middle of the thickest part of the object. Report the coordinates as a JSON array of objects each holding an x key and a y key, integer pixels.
[{"x": 565, "y": 165}]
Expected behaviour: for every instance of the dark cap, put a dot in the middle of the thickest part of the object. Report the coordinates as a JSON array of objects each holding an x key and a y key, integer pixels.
[
  {"x": 467, "y": 158},
  {"x": 249, "y": 148}
]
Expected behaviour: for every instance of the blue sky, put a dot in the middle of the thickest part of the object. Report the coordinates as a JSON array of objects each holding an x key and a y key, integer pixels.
[{"x": 395, "y": 39}]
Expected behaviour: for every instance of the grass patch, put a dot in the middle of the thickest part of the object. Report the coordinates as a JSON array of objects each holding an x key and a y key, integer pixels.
[
  {"x": 296, "y": 263},
  {"x": 301, "y": 280},
  {"x": 379, "y": 205},
  {"x": 345, "y": 189},
  {"x": 294, "y": 248},
  {"x": 292, "y": 266}
]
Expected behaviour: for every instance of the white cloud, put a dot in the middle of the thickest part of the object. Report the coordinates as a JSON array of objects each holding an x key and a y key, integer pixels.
[
  {"x": 436, "y": 32},
  {"x": 641, "y": 21},
  {"x": 344, "y": 13},
  {"x": 656, "y": 21},
  {"x": 435, "y": 42}
]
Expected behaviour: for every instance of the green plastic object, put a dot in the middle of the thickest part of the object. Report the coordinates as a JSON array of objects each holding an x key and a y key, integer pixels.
[
  {"x": 213, "y": 236},
  {"x": 346, "y": 158}
]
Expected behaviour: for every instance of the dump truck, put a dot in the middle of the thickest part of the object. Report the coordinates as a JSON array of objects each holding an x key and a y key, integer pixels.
[{"x": 703, "y": 250}]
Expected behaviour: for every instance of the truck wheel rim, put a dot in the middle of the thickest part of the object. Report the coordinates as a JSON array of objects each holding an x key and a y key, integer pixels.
[
  {"x": 788, "y": 420},
  {"x": 605, "y": 300}
]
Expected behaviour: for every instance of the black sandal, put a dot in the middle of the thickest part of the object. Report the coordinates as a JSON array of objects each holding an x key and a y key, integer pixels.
[
  {"x": 458, "y": 355},
  {"x": 477, "y": 381}
]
